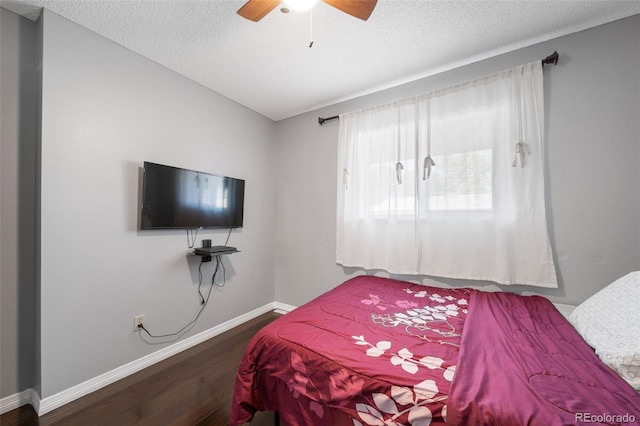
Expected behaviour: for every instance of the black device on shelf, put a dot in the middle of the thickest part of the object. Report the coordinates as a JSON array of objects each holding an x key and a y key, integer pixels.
[
  {"x": 176, "y": 198},
  {"x": 215, "y": 250}
]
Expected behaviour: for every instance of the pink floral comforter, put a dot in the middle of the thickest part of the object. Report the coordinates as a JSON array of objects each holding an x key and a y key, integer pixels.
[
  {"x": 375, "y": 351},
  {"x": 372, "y": 351}
]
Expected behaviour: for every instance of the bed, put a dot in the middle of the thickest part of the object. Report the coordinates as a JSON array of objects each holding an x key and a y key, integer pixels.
[{"x": 377, "y": 351}]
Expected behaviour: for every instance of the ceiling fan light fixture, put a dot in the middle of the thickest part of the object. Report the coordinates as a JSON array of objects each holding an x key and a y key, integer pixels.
[
  {"x": 255, "y": 10},
  {"x": 301, "y": 5}
]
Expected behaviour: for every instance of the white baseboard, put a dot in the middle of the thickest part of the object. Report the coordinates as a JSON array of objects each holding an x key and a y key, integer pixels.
[
  {"x": 14, "y": 401},
  {"x": 45, "y": 405},
  {"x": 35, "y": 400},
  {"x": 283, "y": 308}
]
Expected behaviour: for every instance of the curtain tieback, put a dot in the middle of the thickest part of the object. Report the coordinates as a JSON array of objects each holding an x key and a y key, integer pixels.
[
  {"x": 345, "y": 179},
  {"x": 399, "y": 169},
  {"x": 523, "y": 150},
  {"x": 426, "y": 168}
]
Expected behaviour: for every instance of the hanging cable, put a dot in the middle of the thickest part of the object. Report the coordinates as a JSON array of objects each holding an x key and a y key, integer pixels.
[
  {"x": 191, "y": 237},
  {"x": 228, "y": 235},
  {"x": 204, "y": 300},
  {"x": 219, "y": 264}
]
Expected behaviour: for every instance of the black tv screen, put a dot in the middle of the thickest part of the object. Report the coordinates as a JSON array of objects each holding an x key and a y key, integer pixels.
[{"x": 175, "y": 198}]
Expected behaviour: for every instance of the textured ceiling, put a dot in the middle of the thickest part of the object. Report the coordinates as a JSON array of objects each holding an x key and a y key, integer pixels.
[{"x": 269, "y": 67}]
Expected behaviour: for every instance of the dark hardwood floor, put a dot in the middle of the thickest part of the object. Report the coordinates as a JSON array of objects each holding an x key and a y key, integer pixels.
[{"x": 194, "y": 387}]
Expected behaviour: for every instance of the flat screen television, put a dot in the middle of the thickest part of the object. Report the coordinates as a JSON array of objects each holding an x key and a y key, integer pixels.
[{"x": 175, "y": 198}]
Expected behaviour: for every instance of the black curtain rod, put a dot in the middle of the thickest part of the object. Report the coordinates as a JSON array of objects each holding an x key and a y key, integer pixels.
[{"x": 549, "y": 60}]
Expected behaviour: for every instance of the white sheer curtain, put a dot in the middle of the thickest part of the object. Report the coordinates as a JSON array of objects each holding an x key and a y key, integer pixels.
[{"x": 449, "y": 183}]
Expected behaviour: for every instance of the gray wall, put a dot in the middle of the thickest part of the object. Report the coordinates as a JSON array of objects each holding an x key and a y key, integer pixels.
[
  {"x": 17, "y": 202},
  {"x": 105, "y": 110},
  {"x": 592, "y": 149}
]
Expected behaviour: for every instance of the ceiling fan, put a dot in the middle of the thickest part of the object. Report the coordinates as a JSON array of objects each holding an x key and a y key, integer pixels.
[{"x": 255, "y": 10}]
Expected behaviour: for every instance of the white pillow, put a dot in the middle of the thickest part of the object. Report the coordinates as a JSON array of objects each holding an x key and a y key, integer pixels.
[{"x": 609, "y": 321}]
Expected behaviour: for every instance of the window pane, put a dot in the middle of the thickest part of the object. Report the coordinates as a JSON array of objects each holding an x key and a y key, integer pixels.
[
  {"x": 393, "y": 199},
  {"x": 462, "y": 182}
]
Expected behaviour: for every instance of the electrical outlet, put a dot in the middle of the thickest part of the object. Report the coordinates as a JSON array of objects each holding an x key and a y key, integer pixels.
[{"x": 138, "y": 322}]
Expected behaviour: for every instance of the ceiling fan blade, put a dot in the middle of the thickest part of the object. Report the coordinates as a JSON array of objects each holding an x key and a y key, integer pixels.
[
  {"x": 359, "y": 8},
  {"x": 255, "y": 10}
]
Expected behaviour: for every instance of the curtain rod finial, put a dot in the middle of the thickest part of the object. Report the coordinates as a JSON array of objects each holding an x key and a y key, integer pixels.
[
  {"x": 551, "y": 59},
  {"x": 322, "y": 120}
]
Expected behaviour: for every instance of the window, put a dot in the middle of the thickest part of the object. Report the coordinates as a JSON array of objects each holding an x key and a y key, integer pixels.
[{"x": 427, "y": 185}]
